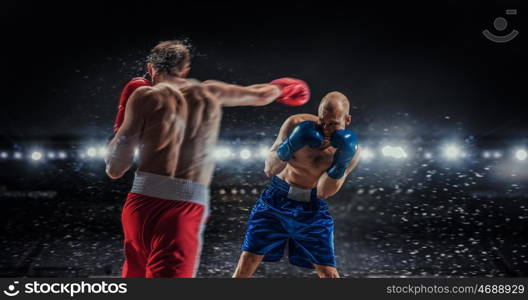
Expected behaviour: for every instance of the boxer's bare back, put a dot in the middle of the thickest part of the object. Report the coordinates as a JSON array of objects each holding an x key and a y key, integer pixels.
[
  {"x": 178, "y": 137},
  {"x": 175, "y": 124}
]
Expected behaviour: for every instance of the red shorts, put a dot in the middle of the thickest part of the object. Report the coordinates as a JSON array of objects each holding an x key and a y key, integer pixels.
[{"x": 163, "y": 238}]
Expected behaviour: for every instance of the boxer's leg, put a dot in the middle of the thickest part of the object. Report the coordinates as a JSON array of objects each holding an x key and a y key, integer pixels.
[
  {"x": 177, "y": 241},
  {"x": 135, "y": 262},
  {"x": 133, "y": 219},
  {"x": 326, "y": 271},
  {"x": 247, "y": 264}
]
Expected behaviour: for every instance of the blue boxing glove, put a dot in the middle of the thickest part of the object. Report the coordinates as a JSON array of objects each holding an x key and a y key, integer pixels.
[
  {"x": 305, "y": 133},
  {"x": 346, "y": 143}
]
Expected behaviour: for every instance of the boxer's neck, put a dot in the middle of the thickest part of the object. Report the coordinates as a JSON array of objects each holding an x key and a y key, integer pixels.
[{"x": 168, "y": 78}]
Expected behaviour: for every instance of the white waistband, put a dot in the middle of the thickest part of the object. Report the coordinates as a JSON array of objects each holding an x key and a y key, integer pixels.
[
  {"x": 299, "y": 194},
  {"x": 170, "y": 188}
]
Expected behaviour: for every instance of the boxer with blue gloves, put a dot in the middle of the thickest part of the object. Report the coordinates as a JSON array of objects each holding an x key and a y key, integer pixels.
[{"x": 309, "y": 162}]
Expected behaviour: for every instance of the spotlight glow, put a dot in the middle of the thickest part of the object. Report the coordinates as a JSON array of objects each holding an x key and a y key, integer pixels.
[
  {"x": 399, "y": 153},
  {"x": 223, "y": 153},
  {"x": 36, "y": 156},
  {"x": 245, "y": 154},
  {"x": 3, "y": 155},
  {"x": 428, "y": 155},
  {"x": 263, "y": 152},
  {"x": 102, "y": 151},
  {"x": 366, "y": 154},
  {"x": 394, "y": 152},
  {"x": 497, "y": 154},
  {"x": 91, "y": 152},
  {"x": 452, "y": 152},
  {"x": 486, "y": 154},
  {"x": 51, "y": 155},
  {"x": 17, "y": 155},
  {"x": 62, "y": 155},
  {"x": 521, "y": 154}
]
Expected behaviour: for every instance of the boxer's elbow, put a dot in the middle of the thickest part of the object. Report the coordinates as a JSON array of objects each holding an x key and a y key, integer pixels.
[
  {"x": 268, "y": 172},
  {"x": 325, "y": 194},
  {"x": 113, "y": 172},
  {"x": 327, "y": 187}
]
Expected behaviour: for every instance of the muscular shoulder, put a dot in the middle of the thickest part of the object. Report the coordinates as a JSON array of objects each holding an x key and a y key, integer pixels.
[
  {"x": 293, "y": 120},
  {"x": 199, "y": 93},
  {"x": 146, "y": 98}
]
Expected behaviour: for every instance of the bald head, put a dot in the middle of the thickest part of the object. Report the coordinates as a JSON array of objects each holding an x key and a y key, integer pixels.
[
  {"x": 336, "y": 103},
  {"x": 334, "y": 113}
]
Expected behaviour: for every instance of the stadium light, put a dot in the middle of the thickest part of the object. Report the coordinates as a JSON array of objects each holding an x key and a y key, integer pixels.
[
  {"x": 17, "y": 155},
  {"x": 3, "y": 155},
  {"x": 399, "y": 153},
  {"x": 62, "y": 155},
  {"x": 386, "y": 151},
  {"x": 521, "y": 154},
  {"x": 452, "y": 152},
  {"x": 263, "y": 152},
  {"x": 497, "y": 154},
  {"x": 223, "y": 153},
  {"x": 366, "y": 154},
  {"x": 91, "y": 152},
  {"x": 428, "y": 155},
  {"x": 102, "y": 151},
  {"x": 394, "y": 152},
  {"x": 245, "y": 154},
  {"x": 486, "y": 154},
  {"x": 51, "y": 155},
  {"x": 36, "y": 156}
]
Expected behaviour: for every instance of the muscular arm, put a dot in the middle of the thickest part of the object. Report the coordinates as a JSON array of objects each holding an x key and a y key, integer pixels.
[
  {"x": 235, "y": 95},
  {"x": 273, "y": 165},
  {"x": 121, "y": 148},
  {"x": 328, "y": 186}
]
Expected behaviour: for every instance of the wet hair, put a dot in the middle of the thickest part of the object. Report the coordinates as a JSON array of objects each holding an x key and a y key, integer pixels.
[{"x": 170, "y": 57}]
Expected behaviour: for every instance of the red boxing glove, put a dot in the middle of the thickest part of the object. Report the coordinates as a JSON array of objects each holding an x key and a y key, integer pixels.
[
  {"x": 294, "y": 92},
  {"x": 129, "y": 88}
]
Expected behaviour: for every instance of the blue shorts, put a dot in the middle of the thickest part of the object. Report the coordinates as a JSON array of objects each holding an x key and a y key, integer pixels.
[{"x": 306, "y": 227}]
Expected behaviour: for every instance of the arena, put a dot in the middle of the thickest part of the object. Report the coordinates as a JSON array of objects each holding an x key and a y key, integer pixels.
[
  {"x": 424, "y": 213},
  {"x": 441, "y": 189}
]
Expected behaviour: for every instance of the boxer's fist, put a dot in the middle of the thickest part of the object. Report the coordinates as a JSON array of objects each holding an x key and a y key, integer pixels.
[
  {"x": 129, "y": 88},
  {"x": 346, "y": 143},
  {"x": 294, "y": 92},
  {"x": 305, "y": 133}
]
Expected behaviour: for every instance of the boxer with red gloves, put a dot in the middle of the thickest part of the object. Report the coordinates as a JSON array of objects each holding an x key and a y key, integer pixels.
[
  {"x": 129, "y": 88},
  {"x": 294, "y": 92},
  {"x": 174, "y": 123},
  {"x": 309, "y": 162}
]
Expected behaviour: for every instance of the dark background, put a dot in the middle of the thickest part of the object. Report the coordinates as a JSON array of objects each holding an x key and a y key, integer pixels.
[
  {"x": 66, "y": 63},
  {"x": 417, "y": 74}
]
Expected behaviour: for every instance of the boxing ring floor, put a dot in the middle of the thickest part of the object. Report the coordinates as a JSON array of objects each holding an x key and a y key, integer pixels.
[{"x": 78, "y": 234}]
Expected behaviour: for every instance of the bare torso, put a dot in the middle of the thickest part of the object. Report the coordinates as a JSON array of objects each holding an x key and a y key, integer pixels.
[
  {"x": 178, "y": 138},
  {"x": 308, "y": 164}
]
